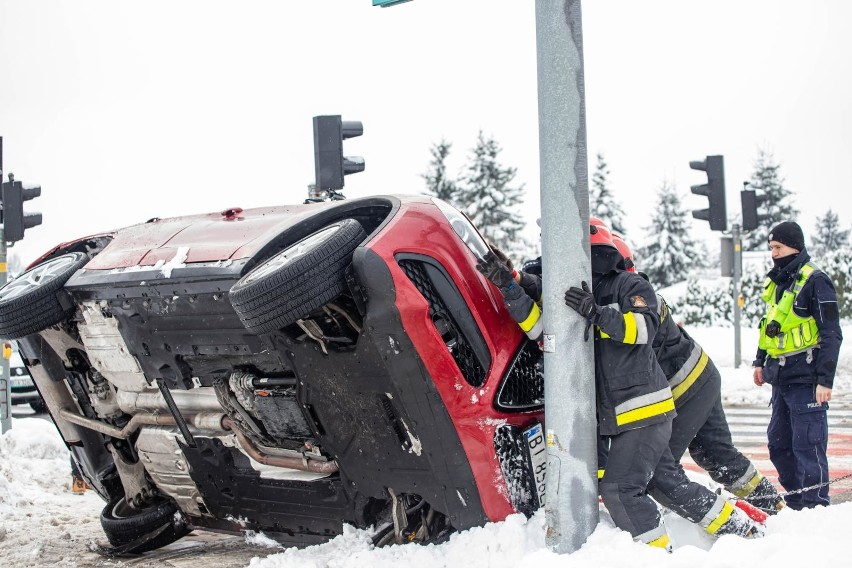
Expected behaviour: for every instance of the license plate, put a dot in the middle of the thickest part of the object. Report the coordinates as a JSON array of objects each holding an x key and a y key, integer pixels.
[{"x": 538, "y": 459}]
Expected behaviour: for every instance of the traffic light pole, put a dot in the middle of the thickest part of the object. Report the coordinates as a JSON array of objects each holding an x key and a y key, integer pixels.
[
  {"x": 6, "y": 390},
  {"x": 5, "y": 386},
  {"x": 571, "y": 506},
  {"x": 738, "y": 296}
]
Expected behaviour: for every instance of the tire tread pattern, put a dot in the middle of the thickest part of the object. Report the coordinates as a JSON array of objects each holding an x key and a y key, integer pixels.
[
  {"x": 297, "y": 288},
  {"x": 38, "y": 308}
]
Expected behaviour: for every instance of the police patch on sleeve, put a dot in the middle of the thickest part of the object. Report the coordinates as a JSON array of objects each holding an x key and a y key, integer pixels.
[{"x": 638, "y": 302}]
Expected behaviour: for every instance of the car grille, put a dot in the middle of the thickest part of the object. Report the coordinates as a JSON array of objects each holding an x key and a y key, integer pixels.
[
  {"x": 451, "y": 316},
  {"x": 515, "y": 465},
  {"x": 523, "y": 387}
]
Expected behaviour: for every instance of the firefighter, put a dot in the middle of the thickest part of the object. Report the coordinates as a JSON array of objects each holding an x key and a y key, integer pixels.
[
  {"x": 700, "y": 424},
  {"x": 798, "y": 350},
  {"x": 634, "y": 403}
]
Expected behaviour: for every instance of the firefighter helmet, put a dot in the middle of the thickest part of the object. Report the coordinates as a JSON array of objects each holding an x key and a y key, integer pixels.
[
  {"x": 621, "y": 245},
  {"x": 600, "y": 235}
]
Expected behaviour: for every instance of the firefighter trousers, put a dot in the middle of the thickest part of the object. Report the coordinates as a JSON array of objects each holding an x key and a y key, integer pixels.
[
  {"x": 701, "y": 427},
  {"x": 631, "y": 460}
]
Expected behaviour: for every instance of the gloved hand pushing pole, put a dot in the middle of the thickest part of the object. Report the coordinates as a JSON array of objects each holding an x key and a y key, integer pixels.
[{"x": 582, "y": 301}]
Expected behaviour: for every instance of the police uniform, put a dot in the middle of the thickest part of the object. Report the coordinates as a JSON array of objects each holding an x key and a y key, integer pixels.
[
  {"x": 799, "y": 345},
  {"x": 700, "y": 424}
]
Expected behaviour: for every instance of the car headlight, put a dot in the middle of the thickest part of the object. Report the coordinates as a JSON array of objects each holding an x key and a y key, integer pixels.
[{"x": 463, "y": 228}]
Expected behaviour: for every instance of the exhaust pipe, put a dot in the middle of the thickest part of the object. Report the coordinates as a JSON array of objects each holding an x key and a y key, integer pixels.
[{"x": 301, "y": 464}]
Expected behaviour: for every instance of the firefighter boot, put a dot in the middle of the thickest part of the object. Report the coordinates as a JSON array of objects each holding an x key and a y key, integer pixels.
[
  {"x": 740, "y": 524},
  {"x": 765, "y": 497}
]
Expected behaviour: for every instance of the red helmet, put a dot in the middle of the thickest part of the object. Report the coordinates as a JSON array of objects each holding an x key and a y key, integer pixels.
[
  {"x": 625, "y": 251},
  {"x": 600, "y": 235},
  {"x": 597, "y": 222}
]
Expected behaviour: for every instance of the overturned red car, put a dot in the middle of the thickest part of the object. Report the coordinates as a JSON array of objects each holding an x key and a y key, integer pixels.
[{"x": 286, "y": 370}]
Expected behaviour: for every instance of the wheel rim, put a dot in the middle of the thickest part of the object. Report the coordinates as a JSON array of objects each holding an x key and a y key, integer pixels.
[
  {"x": 124, "y": 510},
  {"x": 291, "y": 254},
  {"x": 37, "y": 277}
]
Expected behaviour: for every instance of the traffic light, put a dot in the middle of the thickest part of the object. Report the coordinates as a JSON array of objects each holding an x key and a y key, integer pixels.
[
  {"x": 15, "y": 221},
  {"x": 329, "y": 162},
  {"x": 714, "y": 189},
  {"x": 750, "y": 202}
]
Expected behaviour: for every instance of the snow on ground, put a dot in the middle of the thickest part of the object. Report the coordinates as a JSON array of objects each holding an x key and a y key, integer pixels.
[
  {"x": 793, "y": 539},
  {"x": 43, "y": 524}
]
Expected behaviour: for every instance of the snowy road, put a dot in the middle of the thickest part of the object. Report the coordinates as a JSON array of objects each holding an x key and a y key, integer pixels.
[
  {"x": 51, "y": 527},
  {"x": 748, "y": 426}
]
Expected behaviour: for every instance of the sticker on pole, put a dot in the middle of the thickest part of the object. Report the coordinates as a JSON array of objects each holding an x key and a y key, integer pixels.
[{"x": 548, "y": 344}]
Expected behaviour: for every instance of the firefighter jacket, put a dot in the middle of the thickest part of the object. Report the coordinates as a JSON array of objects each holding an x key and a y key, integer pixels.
[
  {"x": 523, "y": 302},
  {"x": 682, "y": 360},
  {"x": 632, "y": 390},
  {"x": 802, "y": 300}
]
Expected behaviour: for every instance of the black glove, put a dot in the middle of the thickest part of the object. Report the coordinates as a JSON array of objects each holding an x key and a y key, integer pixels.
[
  {"x": 773, "y": 329},
  {"x": 581, "y": 301},
  {"x": 496, "y": 270},
  {"x": 502, "y": 256}
]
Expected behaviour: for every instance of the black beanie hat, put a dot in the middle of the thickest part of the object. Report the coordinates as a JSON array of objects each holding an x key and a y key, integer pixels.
[{"x": 788, "y": 233}]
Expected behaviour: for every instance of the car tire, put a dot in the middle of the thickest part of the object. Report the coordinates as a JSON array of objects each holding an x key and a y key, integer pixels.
[
  {"x": 38, "y": 406},
  {"x": 32, "y": 301},
  {"x": 298, "y": 280},
  {"x": 123, "y": 524}
]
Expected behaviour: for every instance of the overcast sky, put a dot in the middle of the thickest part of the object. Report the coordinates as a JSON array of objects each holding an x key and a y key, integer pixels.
[{"x": 129, "y": 110}]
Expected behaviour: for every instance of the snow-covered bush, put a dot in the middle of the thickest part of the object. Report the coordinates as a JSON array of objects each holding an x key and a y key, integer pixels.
[{"x": 711, "y": 303}]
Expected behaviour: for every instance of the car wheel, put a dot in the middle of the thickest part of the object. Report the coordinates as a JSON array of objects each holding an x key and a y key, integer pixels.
[
  {"x": 124, "y": 524},
  {"x": 31, "y": 302},
  {"x": 38, "y": 406},
  {"x": 298, "y": 280}
]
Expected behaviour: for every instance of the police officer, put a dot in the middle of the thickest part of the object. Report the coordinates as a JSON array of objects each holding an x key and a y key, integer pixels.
[
  {"x": 634, "y": 402},
  {"x": 799, "y": 346},
  {"x": 700, "y": 424}
]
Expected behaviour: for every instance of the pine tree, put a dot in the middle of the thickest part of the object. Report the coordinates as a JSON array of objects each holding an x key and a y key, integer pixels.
[
  {"x": 829, "y": 235},
  {"x": 487, "y": 196},
  {"x": 671, "y": 252},
  {"x": 602, "y": 203},
  {"x": 766, "y": 180},
  {"x": 438, "y": 183}
]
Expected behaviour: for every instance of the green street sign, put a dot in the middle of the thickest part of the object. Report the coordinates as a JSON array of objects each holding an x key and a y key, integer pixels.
[{"x": 388, "y": 3}]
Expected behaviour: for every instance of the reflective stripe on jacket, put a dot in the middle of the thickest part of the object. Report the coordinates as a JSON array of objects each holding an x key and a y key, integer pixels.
[
  {"x": 632, "y": 389},
  {"x": 683, "y": 361}
]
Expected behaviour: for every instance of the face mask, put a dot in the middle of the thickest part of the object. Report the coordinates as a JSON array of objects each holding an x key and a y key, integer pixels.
[
  {"x": 604, "y": 259},
  {"x": 780, "y": 263}
]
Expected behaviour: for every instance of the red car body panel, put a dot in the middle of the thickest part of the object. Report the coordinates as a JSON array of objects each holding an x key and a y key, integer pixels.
[{"x": 476, "y": 426}]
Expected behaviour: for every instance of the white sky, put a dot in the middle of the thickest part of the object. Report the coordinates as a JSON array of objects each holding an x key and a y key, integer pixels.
[{"x": 129, "y": 110}]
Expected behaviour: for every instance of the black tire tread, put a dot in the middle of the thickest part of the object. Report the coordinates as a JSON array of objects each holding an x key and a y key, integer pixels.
[
  {"x": 296, "y": 289},
  {"x": 38, "y": 308},
  {"x": 123, "y": 530}
]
